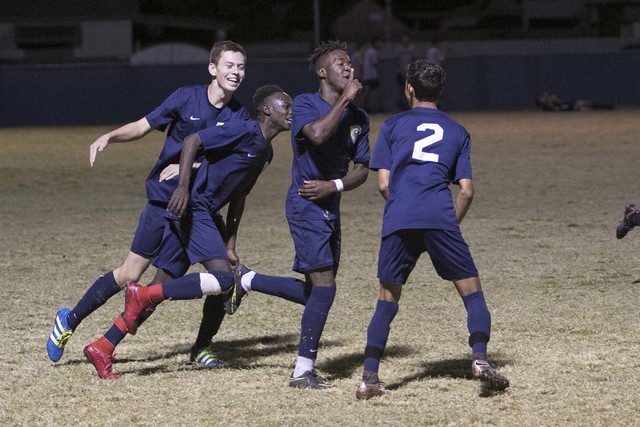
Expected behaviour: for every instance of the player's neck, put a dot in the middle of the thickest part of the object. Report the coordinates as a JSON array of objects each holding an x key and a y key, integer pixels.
[
  {"x": 329, "y": 94},
  {"x": 217, "y": 96},
  {"x": 424, "y": 104},
  {"x": 268, "y": 130}
]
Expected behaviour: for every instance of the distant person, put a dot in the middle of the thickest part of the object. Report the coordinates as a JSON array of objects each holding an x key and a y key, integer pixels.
[
  {"x": 435, "y": 52},
  {"x": 552, "y": 102},
  {"x": 371, "y": 76},
  {"x": 418, "y": 154},
  {"x": 406, "y": 53}
]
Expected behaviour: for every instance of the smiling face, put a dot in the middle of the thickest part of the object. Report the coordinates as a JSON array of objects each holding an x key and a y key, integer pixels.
[
  {"x": 229, "y": 70},
  {"x": 279, "y": 105},
  {"x": 335, "y": 69}
]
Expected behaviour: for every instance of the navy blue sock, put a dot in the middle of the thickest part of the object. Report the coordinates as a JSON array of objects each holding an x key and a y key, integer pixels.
[
  {"x": 117, "y": 331},
  {"x": 289, "y": 288},
  {"x": 378, "y": 333},
  {"x": 102, "y": 289},
  {"x": 314, "y": 318},
  {"x": 478, "y": 322},
  {"x": 188, "y": 287},
  {"x": 212, "y": 316}
]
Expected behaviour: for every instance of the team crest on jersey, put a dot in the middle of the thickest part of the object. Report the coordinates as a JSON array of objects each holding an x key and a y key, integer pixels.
[{"x": 355, "y": 131}]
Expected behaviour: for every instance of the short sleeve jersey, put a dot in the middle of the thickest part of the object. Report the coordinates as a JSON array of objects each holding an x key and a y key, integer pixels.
[
  {"x": 426, "y": 151},
  {"x": 184, "y": 112},
  {"x": 235, "y": 153},
  {"x": 330, "y": 160}
]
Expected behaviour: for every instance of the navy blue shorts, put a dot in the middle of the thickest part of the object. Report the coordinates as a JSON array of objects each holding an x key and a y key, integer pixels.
[
  {"x": 201, "y": 238},
  {"x": 399, "y": 253},
  {"x": 182, "y": 238},
  {"x": 317, "y": 244},
  {"x": 148, "y": 236}
]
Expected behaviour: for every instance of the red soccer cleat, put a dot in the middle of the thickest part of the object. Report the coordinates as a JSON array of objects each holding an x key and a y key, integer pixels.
[
  {"x": 135, "y": 303},
  {"x": 101, "y": 360}
]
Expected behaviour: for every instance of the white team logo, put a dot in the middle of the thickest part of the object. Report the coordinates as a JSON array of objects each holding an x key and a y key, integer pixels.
[
  {"x": 355, "y": 131},
  {"x": 220, "y": 124},
  {"x": 194, "y": 118}
]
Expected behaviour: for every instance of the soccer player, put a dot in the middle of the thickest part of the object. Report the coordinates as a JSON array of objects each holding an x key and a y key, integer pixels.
[
  {"x": 236, "y": 152},
  {"x": 327, "y": 135},
  {"x": 630, "y": 219},
  {"x": 187, "y": 110},
  {"x": 417, "y": 155}
]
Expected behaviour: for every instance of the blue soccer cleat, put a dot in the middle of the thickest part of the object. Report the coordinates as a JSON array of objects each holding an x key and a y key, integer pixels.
[
  {"x": 59, "y": 336},
  {"x": 206, "y": 358}
]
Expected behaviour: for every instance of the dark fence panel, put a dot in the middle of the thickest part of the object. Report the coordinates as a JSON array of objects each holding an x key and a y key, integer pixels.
[{"x": 115, "y": 93}]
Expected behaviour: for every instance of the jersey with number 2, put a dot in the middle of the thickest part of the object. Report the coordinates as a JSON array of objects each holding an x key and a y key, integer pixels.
[{"x": 426, "y": 151}]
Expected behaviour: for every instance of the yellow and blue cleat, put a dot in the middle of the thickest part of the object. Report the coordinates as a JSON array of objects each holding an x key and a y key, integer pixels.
[
  {"x": 206, "y": 358},
  {"x": 59, "y": 336}
]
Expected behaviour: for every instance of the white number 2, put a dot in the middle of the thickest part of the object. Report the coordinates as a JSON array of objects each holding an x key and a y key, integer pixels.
[{"x": 420, "y": 144}]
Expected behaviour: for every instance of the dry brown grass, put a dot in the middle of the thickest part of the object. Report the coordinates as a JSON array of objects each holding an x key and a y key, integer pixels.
[{"x": 550, "y": 189}]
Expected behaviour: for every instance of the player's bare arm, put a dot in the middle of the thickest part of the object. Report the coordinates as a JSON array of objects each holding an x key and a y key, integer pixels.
[
  {"x": 317, "y": 189},
  {"x": 180, "y": 197},
  {"x": 320, "y": 130},
  {"x": 129, "y": 132},
  {"x": 234, "y": 215},
  {"x": 383, "y": 182},
  {"x": 173, "y": 170},
  {"x": 464, "y": 199}
]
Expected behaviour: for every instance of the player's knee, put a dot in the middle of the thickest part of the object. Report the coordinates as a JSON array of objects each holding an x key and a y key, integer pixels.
[{"x": 125, "y": 276}]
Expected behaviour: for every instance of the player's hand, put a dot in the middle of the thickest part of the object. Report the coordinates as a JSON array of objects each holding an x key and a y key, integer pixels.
[
  {"x": 179, "y": 202},
  {"x": 352, "y": 87},
  {"x": 170, "y": 172},
  {"x": 98, "y": 145},
  {"x": 315, "y": 190},
  {"x": 234, "y": 259}
]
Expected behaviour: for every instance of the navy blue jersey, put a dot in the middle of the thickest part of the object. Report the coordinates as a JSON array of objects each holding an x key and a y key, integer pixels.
[
  {"x": 425, "y": 150},
  {"x": 235, "y": 153},
  {"x": 184, "y": 112},
  {"x": 330, "y": 160}
]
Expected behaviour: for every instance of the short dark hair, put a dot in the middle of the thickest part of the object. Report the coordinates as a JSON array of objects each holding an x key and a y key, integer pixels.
[
  {"x": 426, "y": 78},
  {"x": 262, "y": 93},
  {"x": 322, "y": 50},
  {"x": 223, "y": 46}
]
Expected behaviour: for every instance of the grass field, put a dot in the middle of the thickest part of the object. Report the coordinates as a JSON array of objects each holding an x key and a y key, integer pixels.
[{"x": 550, "y": 189}]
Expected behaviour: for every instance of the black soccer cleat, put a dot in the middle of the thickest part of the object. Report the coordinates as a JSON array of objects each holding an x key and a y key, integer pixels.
[
  {"x": 237, "y": 293},
  {"x": 310, "y": 380},
  {"x": 627, "y": 223}
]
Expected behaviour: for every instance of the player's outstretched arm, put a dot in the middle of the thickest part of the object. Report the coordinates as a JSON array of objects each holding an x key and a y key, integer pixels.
[
  {"x": 464, "y": 199},
  {"x": 129, "y": 132}
]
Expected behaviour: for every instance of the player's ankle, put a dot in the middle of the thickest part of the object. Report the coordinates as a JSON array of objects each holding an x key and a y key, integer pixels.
[{"x": 370, "y": 377}]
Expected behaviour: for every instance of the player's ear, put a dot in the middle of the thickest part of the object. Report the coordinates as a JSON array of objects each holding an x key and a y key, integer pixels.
[
  {"x": 266, "y": 110},
  {"x": 322, "y": 72},
  {"x": 212, "y": 69},
  {"x": 409, "y": 92}
]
